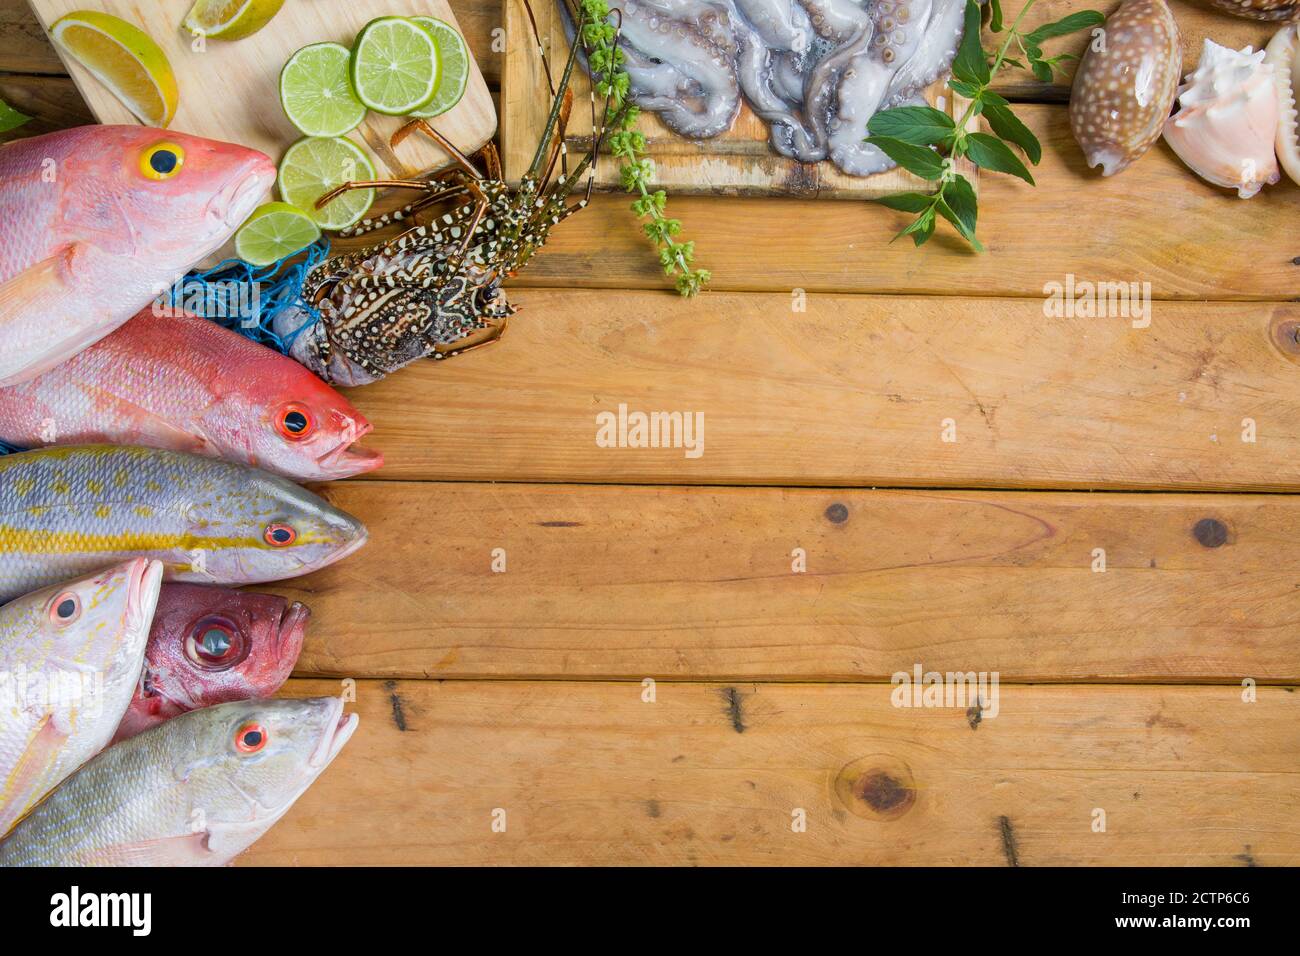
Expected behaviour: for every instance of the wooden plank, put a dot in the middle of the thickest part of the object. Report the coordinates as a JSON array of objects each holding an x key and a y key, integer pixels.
[
  {"x": 714, "y": 774},
  {"x": 855, "y": 390},
  {"x": 230, "y": 91},
  {"x": 739, "y": 162},
  {"x": 1131, "y": 227},
  {"x": 52, "y": 101},
  {"x": 632, "y": 582},
  {"x": 1195, "y": 23}
]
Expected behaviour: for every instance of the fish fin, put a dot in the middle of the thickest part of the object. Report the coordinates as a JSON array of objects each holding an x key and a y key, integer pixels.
[
  {"x": 27, "y": 345},
  {"x": 189, "y": 849},
  {"x": 29, "y": 288},
  {"x": 35, "y": 760}
]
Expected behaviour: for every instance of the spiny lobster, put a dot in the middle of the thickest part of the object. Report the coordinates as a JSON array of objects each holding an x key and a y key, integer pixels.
[{"x": 438, "y": 283}]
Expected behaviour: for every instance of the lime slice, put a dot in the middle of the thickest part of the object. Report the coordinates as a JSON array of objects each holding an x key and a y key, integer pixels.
[
  {"x": 125, "y": 59},
  {"x": 313, "y": 166},
  {"x": 394, "y": 66},
  {"x": 230, "y": 19},
  {"x": 316, "y": 93},
  {"x": 453, "y": 67},
  {"x": 273, "y": 231}
]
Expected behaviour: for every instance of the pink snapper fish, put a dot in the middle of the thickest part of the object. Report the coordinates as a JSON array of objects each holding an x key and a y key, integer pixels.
[{"x": 98, "y": 221}]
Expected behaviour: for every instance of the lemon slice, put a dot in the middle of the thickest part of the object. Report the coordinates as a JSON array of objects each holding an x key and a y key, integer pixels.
[
  {"x": 394, "y": 66},
  {"x": 453, "y": 65},
  {"x": 230, "y": 19},
  {"x": 316, "y": 93},
  {"x": 125, "y": 59},
  {"x": 313, "y": 166}
]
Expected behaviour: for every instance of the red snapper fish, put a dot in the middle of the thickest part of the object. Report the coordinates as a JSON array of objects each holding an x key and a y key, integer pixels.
[
  {"x": 211, "y": 645},
  {"x": 98, "y": 220},
  {"x": 186, "y": 384}
]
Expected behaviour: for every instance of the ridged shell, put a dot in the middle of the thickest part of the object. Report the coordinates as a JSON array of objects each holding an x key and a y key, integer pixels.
[
  {"x": 1227, "y": 121},
  {"x": 1258, "y": 9},
  {"x": 1125, "y": 85},
  {"x": 1283, "y": 54}
]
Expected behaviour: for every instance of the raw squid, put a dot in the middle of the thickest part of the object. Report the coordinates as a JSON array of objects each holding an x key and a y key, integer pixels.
[{"x": 814, "y": 70}]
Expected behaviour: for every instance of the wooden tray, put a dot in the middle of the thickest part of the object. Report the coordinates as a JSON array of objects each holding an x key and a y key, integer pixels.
[
  {"x": 740, "y": 162},
  {"x": 230, "y": 91}
]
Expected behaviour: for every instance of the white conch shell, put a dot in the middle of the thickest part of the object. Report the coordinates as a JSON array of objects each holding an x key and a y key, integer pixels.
[
  {"x": 1227, "y": 120},
  {"x": 1283, "y": 54}
]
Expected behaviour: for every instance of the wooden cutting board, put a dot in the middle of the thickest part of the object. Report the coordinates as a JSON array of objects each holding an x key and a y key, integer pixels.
[
  {"x": 739, "y": 162},
  {"x": 230, "y": 91}
]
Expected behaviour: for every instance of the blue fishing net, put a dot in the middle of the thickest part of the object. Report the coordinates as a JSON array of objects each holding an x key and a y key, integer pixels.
[{"x": 247, "y": 299}]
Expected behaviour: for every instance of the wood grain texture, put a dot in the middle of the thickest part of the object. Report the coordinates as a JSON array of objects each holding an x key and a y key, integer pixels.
[
  {"x": 53, "y": 102},
  {"x": 1196, "y": 23},
  {"x": 632, "y": 582},
  {"x": 1156, "y": 222},
  {"x": 230, "y": 91},
  {"x": 711, "y": 774},
  {"x": 739, "y": 162},
  {"x": 855, "y": 391}
]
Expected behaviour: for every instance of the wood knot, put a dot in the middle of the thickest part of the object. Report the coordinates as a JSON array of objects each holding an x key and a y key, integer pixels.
[
  {"x": 1284, "y": 331},
  {"x": 1210, "y": 532},
  {"x": 837, "y": 513},
  {"x": 878, "y": 787}
]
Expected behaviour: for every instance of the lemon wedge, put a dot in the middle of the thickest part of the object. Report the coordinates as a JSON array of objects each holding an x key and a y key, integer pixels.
[
  {"x": 125, "y": 59},
  {"x": 230, "y": 19}
]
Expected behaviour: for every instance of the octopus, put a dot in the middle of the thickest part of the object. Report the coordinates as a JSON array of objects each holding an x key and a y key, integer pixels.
[{"x": 814, "y": 71}]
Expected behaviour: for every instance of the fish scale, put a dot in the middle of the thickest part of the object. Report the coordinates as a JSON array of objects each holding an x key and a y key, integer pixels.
[{"x": 68, "y": 511}]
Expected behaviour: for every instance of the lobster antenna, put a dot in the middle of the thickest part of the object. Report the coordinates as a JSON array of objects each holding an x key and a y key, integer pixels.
[
  {"x": 558, "y": 101},
  {"x": 541, "y": 47}
]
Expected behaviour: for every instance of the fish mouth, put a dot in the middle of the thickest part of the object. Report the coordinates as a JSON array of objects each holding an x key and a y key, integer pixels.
[
  {"x": 236, "y": 200},
  {"x": 143, "y": 587},
  {"x": 348, "y": 458},
  {"x": 288, "y": 644},
  {"x": 339, "y": 729}
]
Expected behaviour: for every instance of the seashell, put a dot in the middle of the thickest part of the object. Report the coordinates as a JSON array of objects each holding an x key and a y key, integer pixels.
[
  {"x": 1283, "y": 54},
  {"x": 1227, "y": 120},
  {"x": 1258, "y": 9},
  {"x": 1124, "y": 89}
]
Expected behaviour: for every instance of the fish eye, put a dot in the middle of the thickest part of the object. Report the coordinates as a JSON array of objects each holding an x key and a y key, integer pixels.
[
  {"x": 162, "y": 160},
  {"x": 65, "y": 609},
  {"x": 214, "y": 644},
  {"x": 280, "y": 535},
  {"x": 294, "y": 422},
  {"x": 250, "y": 738}
]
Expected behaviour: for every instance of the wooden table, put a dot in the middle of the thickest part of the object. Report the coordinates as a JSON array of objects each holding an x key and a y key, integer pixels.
[{"x": 650, "y": 682}]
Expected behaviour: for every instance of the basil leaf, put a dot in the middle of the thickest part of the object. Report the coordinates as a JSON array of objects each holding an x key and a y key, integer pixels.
[
  {"x": 969, "y": 90},
  {"x": 1043, "y": 71},
  {"x": 907, "y": 202},
  {"x": 959, "y": 199},
  {"x": 989, "y": 152},
  {"x": 10, "y": 118},
  {"x": 921, "y": 229},
  {"x": 995, "y": 16},
  {"x": 970, "y": 65},
  {"x": 919, "y": 125},
  {"x": 921, "y": 160},
  {"x": 1079, "y": 20},
  {"x": 1007, "y": 125}
]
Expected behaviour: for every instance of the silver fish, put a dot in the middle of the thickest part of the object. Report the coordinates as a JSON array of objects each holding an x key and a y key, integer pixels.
[
  {"x": 70, "y": 659},
  {"x": 196, "y": 790},
  {"x": 66, "y": 511}
]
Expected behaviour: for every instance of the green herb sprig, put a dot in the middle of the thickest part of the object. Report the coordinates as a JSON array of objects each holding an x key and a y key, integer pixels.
[
  {"x": 907, "y": 134},
  {"x": 605, "y": 60}
]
